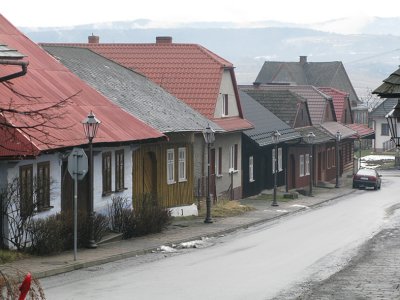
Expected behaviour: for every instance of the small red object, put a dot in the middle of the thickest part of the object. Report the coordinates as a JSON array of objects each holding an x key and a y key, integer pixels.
[{"x": 25, "y": 286}]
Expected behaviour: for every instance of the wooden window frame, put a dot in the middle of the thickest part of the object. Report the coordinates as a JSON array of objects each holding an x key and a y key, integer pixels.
[
  {"x": 43, "y": 186},
  {"x": 119, "y": 170},
  {"x": 26, "y": 190},
  {"x": 107, "y": 172}
]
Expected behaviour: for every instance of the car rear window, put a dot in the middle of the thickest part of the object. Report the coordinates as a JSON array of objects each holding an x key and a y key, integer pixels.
[{"x": 369, "y": 172}]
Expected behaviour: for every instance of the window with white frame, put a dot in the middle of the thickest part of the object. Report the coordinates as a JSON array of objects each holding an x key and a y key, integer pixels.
[
  {"x": 307, "y": 164},
  {"x": 251, "y": 169},
  {"x": 225, "y": 107},
  {"x": 233, "y": 158},
  {"x": 182, "y": 164},
  {"x": 273, "y": 161},
  {"x": 170, "y": 166},
  {"x": 280, "y": 168},
  {"x": 301, "y": 165},
  {"x": 218, "y": 162}
]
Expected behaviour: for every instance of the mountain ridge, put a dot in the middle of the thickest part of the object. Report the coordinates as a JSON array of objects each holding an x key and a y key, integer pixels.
[{"x": 368, "y": 58}]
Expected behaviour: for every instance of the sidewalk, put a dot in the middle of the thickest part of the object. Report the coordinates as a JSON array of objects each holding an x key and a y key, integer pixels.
[{"x": 179, "y": 231}]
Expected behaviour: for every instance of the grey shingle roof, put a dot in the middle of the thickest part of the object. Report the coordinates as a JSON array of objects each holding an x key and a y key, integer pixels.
[
  {"x": 319, "y": 74},
  {"x": 321, "y": 136},
  {"x": 390, "y": 88},
  {"x": 282, "y": 103},
  {"x": 317, "y": 101},
  {"x": 131, "y": 91},
  {"x": 265, "y": 122},
  {"x": 384, "y": 108}
]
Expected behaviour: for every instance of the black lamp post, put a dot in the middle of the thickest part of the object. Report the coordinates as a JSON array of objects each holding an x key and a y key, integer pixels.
[
  {"x": 393, "y": 118},
  {"x": 209, "y": 138},
  {"x": 90, "y": 126},
  {"x": 275, "y": 139},
  {"x": 338, "y": 138},
  {"x": 310, "y": 140}
]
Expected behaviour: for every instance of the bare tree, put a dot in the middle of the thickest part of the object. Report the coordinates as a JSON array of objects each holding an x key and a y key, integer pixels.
[
  {"x": 370, "y": 100},
  {"x": 30, "y": 122}
]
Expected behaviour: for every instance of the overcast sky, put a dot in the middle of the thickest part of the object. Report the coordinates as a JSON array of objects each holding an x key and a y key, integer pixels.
[{"x": 44, "y": 13}]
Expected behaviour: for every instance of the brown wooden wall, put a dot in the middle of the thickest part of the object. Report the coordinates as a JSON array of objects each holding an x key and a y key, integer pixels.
[{"x": 152, "y": 159}]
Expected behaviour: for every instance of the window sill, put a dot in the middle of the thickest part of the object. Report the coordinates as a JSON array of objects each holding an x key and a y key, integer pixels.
[
  {"x": 234, "y": 172},
  {"x": 43, "y": 209},
  {"x": 182, "y": 180},
  {"x": 252, "y": 180},
  {"x": 219, "y": 176},
  {"x": 171, "y": 182}
]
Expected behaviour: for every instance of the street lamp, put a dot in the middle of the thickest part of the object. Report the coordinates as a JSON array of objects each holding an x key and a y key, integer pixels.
[
  {"x": 275, "y": 139},
  {"x": 209, "y": 138},
  {"x": 310, "y": 140},
  {"x": 338, "y": 138},
  {"x": 393, "y": 118},
  {"x": 90, "y": 126}
]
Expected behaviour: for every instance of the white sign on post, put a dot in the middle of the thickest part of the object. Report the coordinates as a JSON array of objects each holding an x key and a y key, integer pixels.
[
  {"x": 77, "y": 167},
  {"x": 78, "y": 163}
]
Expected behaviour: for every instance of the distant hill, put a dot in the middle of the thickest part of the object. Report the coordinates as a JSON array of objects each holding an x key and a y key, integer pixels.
[{"x": 368, "y": 58}]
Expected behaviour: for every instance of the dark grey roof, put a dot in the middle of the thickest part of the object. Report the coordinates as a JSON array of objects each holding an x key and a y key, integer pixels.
[
  {"x": 319, "y": 74},
  {"x": 384, "y": 108},
  {"x": 321, "y": 136},
  {"x": 131, "y": 91},
  {"x": 265, "y": 122},
  {"x": 282, "y": 103},
  {"x": 390, "y": 88},
  {"x": 8, "y": 53},
  {"x": 317, "y": 101}
]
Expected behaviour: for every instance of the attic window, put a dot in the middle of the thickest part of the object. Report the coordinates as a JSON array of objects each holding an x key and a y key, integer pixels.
[{"x": 225, "y": 108}]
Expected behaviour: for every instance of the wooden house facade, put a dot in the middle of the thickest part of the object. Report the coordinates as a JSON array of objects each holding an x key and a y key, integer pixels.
[{"x": 164, "y": 171}]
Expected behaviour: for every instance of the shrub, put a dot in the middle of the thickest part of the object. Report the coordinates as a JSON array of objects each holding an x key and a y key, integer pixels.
[
  {"x": 47, "y": 235},
  {"x": 56, "y": 233},
  {"x": 100, "y": 227},
  {"x": 150, "y": 216},
  {"x": 118, "y": 211}
]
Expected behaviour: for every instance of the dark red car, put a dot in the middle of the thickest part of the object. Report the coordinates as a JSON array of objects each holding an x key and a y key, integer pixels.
[{"x": 367, "y": 178}]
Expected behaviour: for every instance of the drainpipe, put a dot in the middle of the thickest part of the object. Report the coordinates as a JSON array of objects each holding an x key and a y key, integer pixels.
[{"x": 23, "y": 64}]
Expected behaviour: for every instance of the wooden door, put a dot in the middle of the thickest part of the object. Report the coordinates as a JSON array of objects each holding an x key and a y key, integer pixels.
[
  {"x": 150, "y": 175},
  {"x": 67, "y": 191}
]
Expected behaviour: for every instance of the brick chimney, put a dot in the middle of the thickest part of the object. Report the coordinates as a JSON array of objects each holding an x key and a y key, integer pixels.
[
  {"x": 303, "y": 60},
  {"x": 164, "y": 40},
  {"x": 93, "y": 39}
]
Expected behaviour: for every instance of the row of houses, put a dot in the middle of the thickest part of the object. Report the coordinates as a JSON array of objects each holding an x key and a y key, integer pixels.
[{"x": 154, "y": 101}]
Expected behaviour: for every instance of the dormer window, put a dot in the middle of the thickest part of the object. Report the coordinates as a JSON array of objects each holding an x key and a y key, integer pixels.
[{"x": 225, "y": 102}]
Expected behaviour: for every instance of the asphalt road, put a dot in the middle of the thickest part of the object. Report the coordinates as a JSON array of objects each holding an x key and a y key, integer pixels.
[{"x": 294, "y": 257}]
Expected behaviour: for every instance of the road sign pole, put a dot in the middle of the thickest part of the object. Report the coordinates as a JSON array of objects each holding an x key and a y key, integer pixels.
[
  {"x": 76, "y": 208},
  {"x": 77, "y": 167}
]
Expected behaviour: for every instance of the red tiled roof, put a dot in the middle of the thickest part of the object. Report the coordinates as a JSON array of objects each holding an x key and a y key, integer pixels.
[
  {"x": 233, "y": 123},
  {"x": 362, "y": 130},
  {"x": 51, "y": 82},
  {"x": 189, "y": 71},
  {"x": 338, "y": 98}
]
